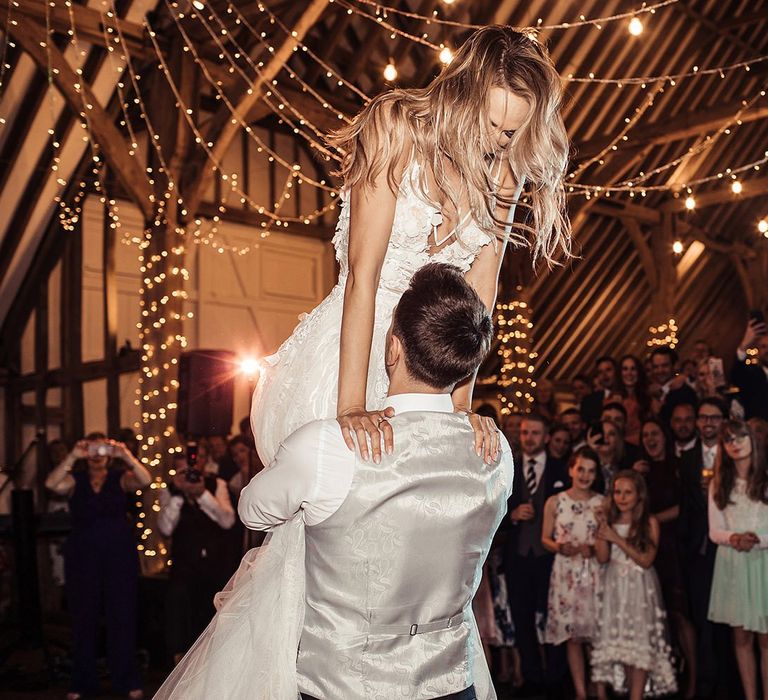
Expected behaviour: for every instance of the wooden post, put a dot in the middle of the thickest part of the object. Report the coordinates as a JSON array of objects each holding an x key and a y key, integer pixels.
[
  {"x": 109, "y": 289},
  {"x": 663, "y": 295},
  {"x": 72, "y": 332}
]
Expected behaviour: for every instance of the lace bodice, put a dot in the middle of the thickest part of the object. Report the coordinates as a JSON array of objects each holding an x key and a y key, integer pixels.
[
  {"x": 408, "y": 248},
  {"x": 743, "y": 514}
]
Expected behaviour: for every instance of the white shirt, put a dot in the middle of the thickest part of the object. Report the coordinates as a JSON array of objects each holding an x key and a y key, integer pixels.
[
  {"x": 538, "y": 468},
  {"x": 708, "y": 455},
  {"x": 218, "y": 508},
  {"x": 313, "y": 470}
]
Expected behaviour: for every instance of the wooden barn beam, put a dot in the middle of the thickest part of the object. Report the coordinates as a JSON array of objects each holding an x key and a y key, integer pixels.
[
  {"x": 750, "y": 188},
  {"x": 224, "y": 125},
  {"x": 90, "y": 28},
  {"x": 643, "y": 250},
  {"x": 679, "y": 127},
  {"x": 32, "y": 37},
  {"x": 718, "y": 30}
]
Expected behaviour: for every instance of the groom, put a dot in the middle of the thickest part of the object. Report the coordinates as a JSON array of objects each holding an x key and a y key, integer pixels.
[{"x": 394, "y": 550}]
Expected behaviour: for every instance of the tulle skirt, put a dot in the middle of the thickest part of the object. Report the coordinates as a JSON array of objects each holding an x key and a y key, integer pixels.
[
  {"x": 739, "y": 595},
  {"x": 300, "y": 382}
]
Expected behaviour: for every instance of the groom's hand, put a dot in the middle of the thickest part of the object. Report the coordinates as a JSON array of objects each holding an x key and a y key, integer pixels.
[{"x": 364, "y": 425}]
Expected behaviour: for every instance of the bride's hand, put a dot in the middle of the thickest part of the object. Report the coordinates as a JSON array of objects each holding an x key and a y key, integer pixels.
[
  {"x": 367, "y": 424},
  {"x": 487, "y": 441}
]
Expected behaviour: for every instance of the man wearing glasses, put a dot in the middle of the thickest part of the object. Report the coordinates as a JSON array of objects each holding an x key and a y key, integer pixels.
[{"x": 698, "y": 551}]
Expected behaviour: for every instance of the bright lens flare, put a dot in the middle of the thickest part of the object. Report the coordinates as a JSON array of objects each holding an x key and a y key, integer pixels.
[
  {"x": 635, "y": 27},
  {"x": 446, "y": 55},
  {"x": 249, "y": 366}
]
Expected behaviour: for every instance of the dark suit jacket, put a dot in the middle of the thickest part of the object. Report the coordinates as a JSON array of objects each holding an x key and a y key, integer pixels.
[
  {"x": 753, "y": 388},
  {"x": 693, "y": 524},
  {"x": 553, "y": 480},
  {"x": 685, "y": 394}
]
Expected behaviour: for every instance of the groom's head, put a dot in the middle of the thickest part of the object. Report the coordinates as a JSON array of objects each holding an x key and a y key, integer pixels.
[{"x": 440, "y": 331}]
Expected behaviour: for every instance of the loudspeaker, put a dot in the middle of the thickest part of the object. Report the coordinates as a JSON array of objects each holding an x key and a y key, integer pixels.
[{"x": 206, "y": 393}]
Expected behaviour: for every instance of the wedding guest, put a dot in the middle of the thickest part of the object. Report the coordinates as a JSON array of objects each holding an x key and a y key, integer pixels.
[
  {"x": 101, "y": 561},
  {"x": 568, "y": 531},
  {"x": 661, "y": 471},
  {"x": 528, "y": 563},
  {"x": 738, "y": 525},
  {"x": 559, "y": 445},
  {"x": 544, "y": 402},
  {"x": 633, "y": 389},
  {"x": 631, "y": 653},
  {"x": 698, "y": 551}
]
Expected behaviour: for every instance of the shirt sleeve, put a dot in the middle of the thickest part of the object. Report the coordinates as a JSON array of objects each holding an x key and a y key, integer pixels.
[
  {"x": 218, "y": 507},
  {"x": 170, "y": 510},
  {"x": 718, "y": 531},
  {"x": 312, "y": 471}
]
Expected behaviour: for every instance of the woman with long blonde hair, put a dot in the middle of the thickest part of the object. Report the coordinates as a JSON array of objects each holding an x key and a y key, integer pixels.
[{"x": 430, "y": 175}]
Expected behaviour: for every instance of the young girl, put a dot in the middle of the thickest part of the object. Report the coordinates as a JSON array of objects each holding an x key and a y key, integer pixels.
[
  {"x": 430, "y": 174},
  {"x": 738, "y": 524},
  {"x": 631, "y": 648},
  {"x": 569, "y": 529}
]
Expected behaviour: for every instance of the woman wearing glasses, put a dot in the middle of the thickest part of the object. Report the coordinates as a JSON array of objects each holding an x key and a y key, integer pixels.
[{"x": 738, "y": 524}]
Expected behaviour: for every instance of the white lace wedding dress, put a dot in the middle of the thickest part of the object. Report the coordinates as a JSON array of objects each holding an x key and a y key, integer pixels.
[
  {"x": 299, "y": 382},
  {"x": 248, "y": 651}
]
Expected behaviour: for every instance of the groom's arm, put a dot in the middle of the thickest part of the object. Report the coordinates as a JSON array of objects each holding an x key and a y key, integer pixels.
[{"x": 312, "y": 471}]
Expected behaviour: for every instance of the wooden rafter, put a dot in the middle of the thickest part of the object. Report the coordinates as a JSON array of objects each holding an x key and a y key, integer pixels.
[
  {"x": 225, "y": 125},
  {"x": 31, "y": 36}
]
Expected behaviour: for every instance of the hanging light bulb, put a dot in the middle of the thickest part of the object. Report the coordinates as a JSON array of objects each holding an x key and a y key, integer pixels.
[
  {"x": 635, "y": 27},
  {"x": 198, "y": 4},
  {"x": 736, "y": 187},
  {"x": 390, "y": 72},
  {"x": 762, "y": 226},
  {"x": 677, "y": 247},
  {"x": 449, "y": 2},
  {"x": 690, "y": 202},
  {"x": 446, "y": 55}
]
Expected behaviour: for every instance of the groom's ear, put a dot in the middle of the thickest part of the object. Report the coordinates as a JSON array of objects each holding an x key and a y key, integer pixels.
[{"x": 394, "y": 350}]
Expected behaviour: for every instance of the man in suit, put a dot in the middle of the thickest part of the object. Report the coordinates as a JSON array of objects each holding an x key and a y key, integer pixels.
[
  {"x": 697, "y": 550},
  {"x": 607, "y": 372},
  {"x": 752, "y": 380},
  {"x": 672, "y": 388},
  {"x": 395, "y": 545},
  {"x": 527, "y": 563}
]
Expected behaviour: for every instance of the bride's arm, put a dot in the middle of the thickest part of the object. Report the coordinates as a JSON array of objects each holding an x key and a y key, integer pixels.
[{"x": 372, "y": 212}]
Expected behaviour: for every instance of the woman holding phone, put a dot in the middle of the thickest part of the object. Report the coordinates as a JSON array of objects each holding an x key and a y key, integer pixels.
[{"x": 100, "y": 559}]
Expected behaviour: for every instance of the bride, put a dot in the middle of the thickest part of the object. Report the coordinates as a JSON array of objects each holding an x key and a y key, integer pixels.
[{"x": 430, "y": 175}]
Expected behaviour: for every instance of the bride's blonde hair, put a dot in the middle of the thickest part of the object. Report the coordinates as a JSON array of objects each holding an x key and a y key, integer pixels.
[{"x": 449, "y": 119}]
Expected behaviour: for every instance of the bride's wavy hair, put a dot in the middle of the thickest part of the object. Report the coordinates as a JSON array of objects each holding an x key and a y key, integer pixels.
[{"x": 449, "y": 119}]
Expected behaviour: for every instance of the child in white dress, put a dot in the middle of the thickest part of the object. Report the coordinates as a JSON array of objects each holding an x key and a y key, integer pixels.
[
  {"x": 569, "y": 529},
  {"x": 632, "y": 651}
]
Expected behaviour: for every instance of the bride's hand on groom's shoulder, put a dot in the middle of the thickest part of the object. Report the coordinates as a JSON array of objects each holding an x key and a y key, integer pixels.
[
  {"x": 487, "y": 442},
  {"x": 360, "y": 425}
]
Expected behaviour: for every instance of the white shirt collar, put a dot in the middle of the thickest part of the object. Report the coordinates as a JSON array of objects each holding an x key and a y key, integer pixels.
[{"x": 403, "y": 403}]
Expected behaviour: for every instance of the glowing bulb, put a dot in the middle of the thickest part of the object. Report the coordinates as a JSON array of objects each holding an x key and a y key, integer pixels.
[
  {"x": 446, "y": 55},
  {"x": 677, "y": 247},
  {"x": 390, "y": 72},
  {"x": 449, "y": 2},
  {"x": 249, "y": 366},
  {"x": 635, "y": 27},
  {"x": 736, "y": 187},
  {"x": 690, "y": 202},
  {"x": 198, "y": 4},
  {"x": 762, "y": 226}
]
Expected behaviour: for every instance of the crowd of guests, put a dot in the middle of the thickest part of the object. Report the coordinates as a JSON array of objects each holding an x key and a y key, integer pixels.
[
  {"x": 98, "y": 563},
  {"x": 635, "y": 553}
]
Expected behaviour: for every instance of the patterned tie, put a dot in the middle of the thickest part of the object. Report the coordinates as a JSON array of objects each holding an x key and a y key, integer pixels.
[{"x": 530, "y": 476}]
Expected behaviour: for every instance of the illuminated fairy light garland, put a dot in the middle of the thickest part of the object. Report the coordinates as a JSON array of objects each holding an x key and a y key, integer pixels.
[
  {"x": 276, "y": 109},
  {"x": 330, "y": 71},
  {"x": 4, "y": 65},
  {"x": 516, "y": 381},
  {"x": 663, "y": 334},
  {"x": 581, "y": 22}
]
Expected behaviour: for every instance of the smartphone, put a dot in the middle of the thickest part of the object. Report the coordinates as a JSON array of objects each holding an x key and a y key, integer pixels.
[
  {"x": 717, "y": 372},
  {"x": 100, "y": 449}
]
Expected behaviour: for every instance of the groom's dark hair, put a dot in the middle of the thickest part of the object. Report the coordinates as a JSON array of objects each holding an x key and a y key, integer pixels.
[{"x": 443, "y": 325}]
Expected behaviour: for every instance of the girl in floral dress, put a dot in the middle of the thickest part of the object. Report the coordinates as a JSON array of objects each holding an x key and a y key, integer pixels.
[
  {"x": 632, "y": 650},
  {"x": 569, "y": 529}
]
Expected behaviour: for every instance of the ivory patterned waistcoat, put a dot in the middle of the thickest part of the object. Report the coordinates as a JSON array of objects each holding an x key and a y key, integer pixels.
[{"x": 392, "y": 573}]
